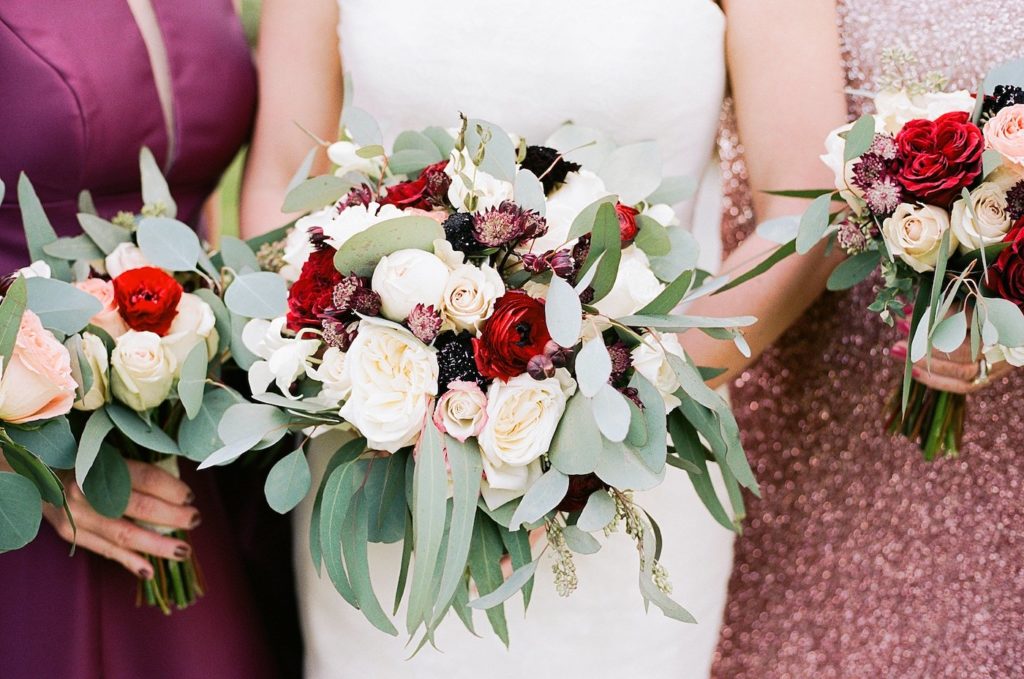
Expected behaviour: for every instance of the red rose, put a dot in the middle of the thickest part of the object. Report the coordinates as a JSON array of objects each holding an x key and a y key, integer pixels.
[
  {"x": 147, "y": 299},
  {"x": 413, "y": 194},
  {"x": 940, "y": 157},
  {"x": 627, "y": 223},
  {"x": 515, "y": 333},
  {"x": 1006, "y": 276},
  {"x": 314, "y": 291}
]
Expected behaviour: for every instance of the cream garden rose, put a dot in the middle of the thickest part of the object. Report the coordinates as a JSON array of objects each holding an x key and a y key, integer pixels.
[
  {"x": 37, "y": 382},
  {"x": 108, "y": 318},
  {"x": 99, "y": 363},
  {"x": 406, "y": 278},
  {"x": 142, "y": 370},
  {"x": 125, "y": 257},
  {"x": 1005, "y": 133},
  {"x": 985, "y": 221},
  {"x": 914, "y": 234},
  {"x": 332, "y": 375},
  {"x": 469, "y": 295},
  {"x": 394, "y": 380},
  {"x": 650, "y": 359},
  {"x": 194, "y": 323},
  {"x": 522, "y": 415},
  {"x": 462, "y": 411}
]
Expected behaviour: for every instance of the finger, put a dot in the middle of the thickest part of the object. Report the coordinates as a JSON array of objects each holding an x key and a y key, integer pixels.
[
  {"x": 957, "y": 370},
  {"x": 160, "y": 512},
  {"x": 127, "y": 535},
  {"x": 944, "y": 383},
  {"x": 154, "y": 481},
  {"x": 136, "y": 564}
]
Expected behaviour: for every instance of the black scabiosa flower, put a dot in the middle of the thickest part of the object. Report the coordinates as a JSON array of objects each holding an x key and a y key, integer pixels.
[
  {"x": 458, "y": 230},
  {"x": 549, "y": 166},
  {"x": 1015, "y": 201},
  {"x": 455, "y": 360}
]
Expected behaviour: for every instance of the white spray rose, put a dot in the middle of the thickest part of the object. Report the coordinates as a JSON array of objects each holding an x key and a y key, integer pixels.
[
  {"x": 522, "y": 415},
  {"x": 635, "y": 285},
  {"x": 896, "y": 108},
  {"x": 914, "y": 234},
  {"x": 99, "y": 363},
  {"x": 564, "y": 205},
  {"x": 345, "y": 155},
  {"x": 394, "y": 379},
  {"x": 469, "y": 181},
  {"x": 406, "y": 278},
  {"x": 986, "y": 222},
  {"x": 285, "y": 358},
  {"x": 462, "y": 411},
  {"x": 194, "y": 323},
  {"x": 142, "y": 370},
  {"x": 1012, "y": 355},
  {"x": 469, "y": 295},
  {"x": 125, "y": 257},
  {"x": 338, "y": 227},
  {"x": 331, "y": 373},
  {"x": 650, "y": 359}
]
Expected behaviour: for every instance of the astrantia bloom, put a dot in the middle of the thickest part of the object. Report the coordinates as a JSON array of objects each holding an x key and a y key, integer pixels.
[
  {"x": 1015, "y": 201},
  {"x": 507, "y": 224},
  {"x": 884, "y": 196},
  {"x": 147, "y": 299}
]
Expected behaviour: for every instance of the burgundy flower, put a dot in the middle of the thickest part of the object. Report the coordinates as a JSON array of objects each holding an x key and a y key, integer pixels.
[
  {"x": 414, "y": 193},
  {"x": 1006, "y": 276},
  {"x": 313, "y": 293},
  {"x": 515, "y": 333},
  {"x": 940, "y": 157},
  {"x": 507, "y": 224},
  {"x": 581, "y": 487}
]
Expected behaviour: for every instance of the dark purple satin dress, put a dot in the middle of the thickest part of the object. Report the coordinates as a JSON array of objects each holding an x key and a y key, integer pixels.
[{"x": 79, "y": 100}]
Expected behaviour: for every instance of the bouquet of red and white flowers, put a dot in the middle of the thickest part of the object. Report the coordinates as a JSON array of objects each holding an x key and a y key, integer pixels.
[
  {"x": 934, "y": 187},
  {"x": 496, "y": 325},
  {"x": 121, "y": 340}
]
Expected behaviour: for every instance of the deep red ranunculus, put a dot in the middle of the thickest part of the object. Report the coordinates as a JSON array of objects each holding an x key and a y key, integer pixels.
[
  {"x": 1006, "y": 276},
  {"x": 147, "y": 299},
  {"x": 515, "y": 333},
  {"x": 940, "y": 157},
  {"x": 314, "y": 291},
  {"x": 627, "y": 223},
  {"x": 413, "y": 194}
]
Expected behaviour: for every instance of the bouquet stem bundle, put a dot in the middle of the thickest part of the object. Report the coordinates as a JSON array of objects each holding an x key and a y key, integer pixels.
[
  {"x": 174, "y": 583},
  {"x": 933, "y": 418}
]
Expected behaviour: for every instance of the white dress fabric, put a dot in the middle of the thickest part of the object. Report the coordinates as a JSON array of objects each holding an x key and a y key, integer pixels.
[{"x": 644, "y": 70}]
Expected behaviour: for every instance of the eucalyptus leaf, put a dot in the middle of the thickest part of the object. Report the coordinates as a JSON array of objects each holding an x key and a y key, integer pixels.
[
  {"x": 430, "y": 492},
  {"x": 141, "y": 433},
  {"x": 336, "y": 499},
  {"x": 38, "y": 230},
  {"x": 813, "y": 224},
  {"x": 361, "y": 253},
  {"x": 237, "y": 255},
  {"x": 621, "y": 467},
  {"x": 499, "y": 158},
  {"x": 689, "y": 448},
  {"x": 607, "y": 242},
  {"x": 780, "y": 230},
  {"x": 353, "y": 542},
  {"x": 97, "y": 427},
  {"x": 779, "y": 254},
  {"x": 611, "y": 412},
  {"x": 529, "y": 192},
  {"x": 670, "y": 608},
  {"x": 598, "y": 512},
  {"x": 20, "y": 511},
  {"x": 580, "y": 542},
  {"x": 859, "y": 138},
  {"x": 950, "y": 333},
  {"x": 992, "y": 160},
  {"x": 515, "y": 582},
  {"x": 466, "y": 471},
  {"x": 485, "y": 567},
  {"x": 239, "y": 352},
  {"x": 244, "y": 419},
  {"x": 59, "y": 305},
  {"x": 563, "y": 313},
  {"x": 652, "y": 237},
  {"x": 853, "y": 270},
  {"x": 371, "y": 151},
  {"x": 108, "y": 485},
  {"x": 303, "y": 170},
  {"x": 587, "y": 146},
  {"x": 669, "y": 298},
  {"x": 442, "y": 139},
  {"x": 421, "y": 143},
  {"x": 674, "y": 189},
  {"x": 653, "y": 449},
  {"x": 155, "y": 191},
  {"x": 221, "y": 316},
  {"x": 315, "y": 193},
  {"x": 12, "y": 308},
  {"x": 168, "y": 243},
  {"x": 52, "y": 442},
  {"x": 198, "y": 437},
  {"x": 73, "y": 248},
  {"x": 288, "y": 482},
  {"x": 409, "y": 162},
  {"x": 106, "y": 235},
  {"x": 193, "y": 379},
  {"x": 683, "y": 254},
  {"x": 361, "y": 126},
  {"x": 257, "y": 295},
  {"x": 346, "y": 453},
  {"x": 593, "y": 366},
  {"x": 520, "y": 551},
  {"x": 576, "y": 446},
  {"x": 1008, "y": 320},
  {"x": 26, "y": 463},
  {"x": 583, "y": 223},
  {"x": 385, "y": 496},
  {"x": 680, "y": 323},
  {"x": 633, "y": 172},
  {"x": 542, "y": 497}
]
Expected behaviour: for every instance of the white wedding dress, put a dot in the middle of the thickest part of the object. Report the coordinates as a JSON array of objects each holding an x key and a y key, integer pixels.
[{"x": 649, "y": 69}]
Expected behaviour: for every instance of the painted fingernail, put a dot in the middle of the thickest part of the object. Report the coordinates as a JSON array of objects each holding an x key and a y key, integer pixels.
[
  {"x": 197, "y": 519},
  {"x": 899, "y": 352},
  {"x": 190, "y": 498},
  {"x": 182, "y": 552},
  {"x": 915, "y": 373},
  {"x": 145, "y": 573}
]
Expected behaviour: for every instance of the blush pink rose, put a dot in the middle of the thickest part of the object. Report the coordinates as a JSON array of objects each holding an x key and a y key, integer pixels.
[
  {"x": 437, "y": 215},
  {"x": 1005, "y": 133},
  {"x": 37, "y": 382},
  {"x": 462, "y": 411},
  {"x": 108, "y": 318}
]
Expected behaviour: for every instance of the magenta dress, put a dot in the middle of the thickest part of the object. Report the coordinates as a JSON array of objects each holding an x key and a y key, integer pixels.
[
  {"x": 79, "y": 100},
  {"x": 862, "y": 560}
]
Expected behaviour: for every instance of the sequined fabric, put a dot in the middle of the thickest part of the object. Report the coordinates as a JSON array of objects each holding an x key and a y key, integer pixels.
[{"x": 862, "y": 560}]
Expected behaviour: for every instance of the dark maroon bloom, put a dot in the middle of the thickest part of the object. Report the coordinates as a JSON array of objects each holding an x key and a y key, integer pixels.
[
  {"x": 535, "y": 263},
  {"x": 1002, "y": 97},
  {"x": 621, "y": 360},
  {"x": 549, "y": 166},
  {"x": 1015, "y": 201},
  {"x": 1006, "y": 276},
  {"x": 515, "y": 333},
  {"x": 313, "y": 293},
  {"x": 414, "y": 193},
  {"x": 360, "y": 195},
  {"x": 884, "y": 196},
  {"x": 455, "y": 360},
  {"x": 507, "y": 224},
  {"x": 540, "y": 367},
  {"x": 436, "y": 189},
  {"x": 581, "y": 487},
  {"x": 633, "y": 395},
  {"x": 940, "y": 157},
  {"x": 424, "y": 322}
]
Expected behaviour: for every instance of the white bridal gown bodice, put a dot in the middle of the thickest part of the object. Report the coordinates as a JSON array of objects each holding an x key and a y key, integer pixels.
[{"x": 648, "y": 69}]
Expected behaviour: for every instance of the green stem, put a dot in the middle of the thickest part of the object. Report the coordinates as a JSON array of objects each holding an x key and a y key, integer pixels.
[
  {"x": 176, "y": 582},
  {"x": 936, "y": 427}
]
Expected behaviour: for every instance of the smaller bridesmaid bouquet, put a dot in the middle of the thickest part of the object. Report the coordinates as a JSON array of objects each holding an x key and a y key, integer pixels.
[
  {"x": 933, "y": 185},
  {"x": 113, "y": 344}
]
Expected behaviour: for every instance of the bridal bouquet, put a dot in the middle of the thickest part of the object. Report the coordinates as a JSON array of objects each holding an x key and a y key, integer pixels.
[
  {"x": 934, "y": 189},
  {"x": 495, "y": 324},
  {"x": 116, "y": 340}
]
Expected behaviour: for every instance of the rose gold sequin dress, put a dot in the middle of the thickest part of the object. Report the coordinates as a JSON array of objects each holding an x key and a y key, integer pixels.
[{"x": 862, "y": 560}]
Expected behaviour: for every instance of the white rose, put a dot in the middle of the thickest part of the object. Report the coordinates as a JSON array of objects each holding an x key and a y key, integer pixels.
[
  {"x": 650, "y": 359},
  {"x": 194, "y": 323},
  {"x": 462, "y": 411},
  {"x": 564, "y": 205},
  {"x": 522, "y": 415},
  {"x": 469, "y": 295},
  {"x": 473, "y": 189},
  {"x": 142, "y": 370},
  {"x": 896, "y": 108},
  {"x": 635, "y": 285},
  {"x": 331, "y": 373},
  {"x": 285, "y": 358},
  {"x": 394, "y": 379},
  {"x": 37, "y": 269},
  {"x": 406, "y": 278},
  {"x": 125, "y": 257},
  {"x": 662, "y": 213},
  {"x": 835, "y": 150},
  {"x": 99, "y": 363},
  {"x": 345, "y": 155},
  {"x": 338, "y": 226},
  {"x": 989, "y": 206},
  {"x": 914, "y": 234},
  {"x": 1014, "y": 356}
]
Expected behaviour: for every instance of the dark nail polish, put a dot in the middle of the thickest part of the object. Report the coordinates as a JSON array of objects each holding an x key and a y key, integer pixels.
[
  {"x": 915, "y": 373},
  {"x": 145, "y": 573},
  {"x": 190, "y": 498},
  {"x": 182, "y": 552},
  {"x": 899, "y": 352},
  {"x": 196, "y": 520}
]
